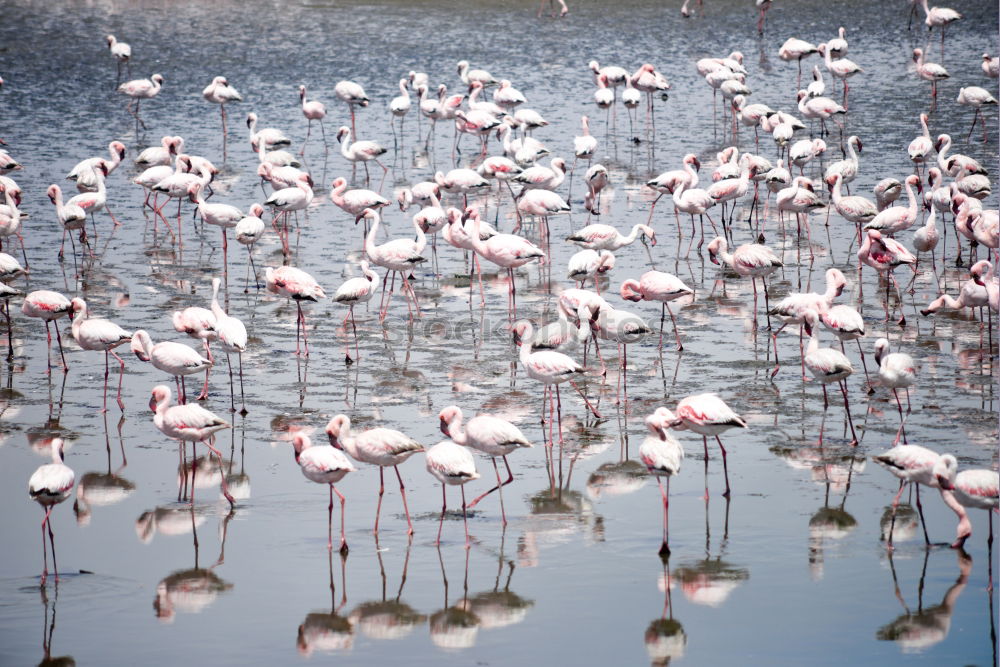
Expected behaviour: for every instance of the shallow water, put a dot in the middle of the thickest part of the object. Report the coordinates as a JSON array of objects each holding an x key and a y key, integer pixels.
[{"x": 792, "y": 569}]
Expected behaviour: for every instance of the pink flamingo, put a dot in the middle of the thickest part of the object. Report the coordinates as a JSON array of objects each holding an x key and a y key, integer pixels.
[
  {"x": 542, "y": 178},
  {"x": 312, "y": 110},
  {"x": 96, "y": 200},
  {"x": 397, "y": 256},
  {"x": 842, "y": 68},
  {"x": 399, "y": 106},
  {"x": 658, "y": 286},
  {"x": 883, "y": 255},
  {"x": 248, "y": 231},
  {"x": 860, "y": 210},
  {"x": 85, "y": 173},
  {"x": 550, "y": 368},
  {"x": 896, "y": 370},
  {"x": 975, "y": 489},
  {"x": 360, "y": 151},
  {"x": 606, "y": 237},
  {"x": 221, "y": 93},
  {"x": 463, "y": 182},
  {"x": 507, "y": 251},
  {"x": 976, "y": 97},
  {"x": 299, "y": 286},
  {"x": 541, "y": 204},
  {"x": 353, "y": 292},
  {"x": 355, "y": 201},
  {"x": 939, "y": 17},
  {"x": 750, "y": 259},
  {"x": 172, "y": 358},
  {"x": 162, "y": 155},
  {"x": 662, "y": 455},
  {"x": 48, "y": 486},
  {"x": 100, "y": 335},
  {"x": 926, "y": 238},
  {"x": 620, "y": 326},
  {"x": 223, "y": 216},
  {"x": 668, "y": 181},
  {"x": 846, "y": 323},
  {"x": 451, "y": 464},
  {"x": 912, "y": 464},
  {"x": 921, "y": 147},
  {"x": 232, "y": 336},
  {"x": 324, "y": 465},
  {"x": 267, "y": 138},
  {"x": 590, "y": 264},
  {"x": 353, "y": 95},
  {"x": 287, "y": 200},
  {"x": 188, "y": 423},
  {"x": 383, "y": 447},
  {"x": 122, "y": 53},
  {"x": 71, "y": 218},
  {"x": 707, "y": 414},
  {"x": 792, "y": 310},
  {"x": 932, "y": 72},
  {"x": 693, "y": 200},
  {"x": 796, "y": 49},
  {"x": 197, "y": 323},
  {"x": 491, "y": 436},
  {"x": 828, "y": 365},
  {"x": 820, "y": 108},
  {"x": 138, "y": 90}
]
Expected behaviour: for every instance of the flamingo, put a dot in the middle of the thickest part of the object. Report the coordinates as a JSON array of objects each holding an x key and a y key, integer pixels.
[
  {"x": 929, "y": 72},
  {"x": 355, "y": 201},
  {"x": 925, "y": 239},
  {"x": 176, "y": 185},
  {"x": 269, "y": 138},
  {"x": 122, "y": 53},
  {"x": 232, "y": 336},
  {"x": 750, "y": 259},
  {"x": 197, "y": 323},
  {"x": 507, "y": 96},
  {"x": 86, "y": 172},
  {"x": 397, "y": 256},
  {"x": 10, "y": 222},
  {"x": 100, "y": 335},
  {"x": 662, "y": 455},
  {"x": 846, "y": 323},
  {"x": 862, "y": 211},
  {"x": 820, "y": 108},
  {"x": 691, "y": 200},
  {"x": 619, "y": 326},
  {"x": 668, "y": 181},
  {"x": 991, "y": 66},
  {"x": 921, "y": 147},
  {"x": 162, "y": 155},
  {"x": 451, "y": 464},
  {"x": 707, "y": 414},
  {"x": 490, "y": 435},
  {"x": 939, "y": 17},
  {"x": 469, "y": 76},
  {"x": 94, "y": 201},
  {"x": 248, "y": 231},
  {"x": 975, "y": 489},
  {"x": 976, "y": 97},
  {"x": 828, "y": 365},
  {"x": 507, "y": 251},
  {"x": 606, "y": 237},
  {"x": 796, "y": 49},
  {"x": 462, "y": 181},
  {"x": 383, "y": 447},
  {"x": 324, "y": 465},
  {"x": 48, "y": 486},
  {"x": 359, "y": 151},
  {"x": 848, "y": 167},
  {"x": 792, "y": 309},
  {"x": 658, "y": 286},
  {"x": 896, "y": 370},
  {"x": 287, "y": 200},
  {"x": 188, "y": 423},
  {"x": 731, "y": 189},
  {"x": 912, "y": 464},
  {"x": 6, "y": 294},
  {"x": 400, "y": 106},
  {"x": 887, "y": 191},
  {"x": 175, "y": 359},
  {"x": 313, "y": 110},
  {"x": 299, "y": 286},
  {"x": 541, "y": 203},
  {"x": 221, "y": 93},
  {"x": 842, "y": 68},
  {"x": 883, "y": 255},
  {"x": 71, "y": 218},
  {"x": 955, "y": 165},
  {"x": 972, "y": 295},
  {"x": 353, "y": 292},
  {"x": 838, "y": 45},
  {"x": 588, "y": 264},
  {"x": 817, "y": 86},
  {"x": 223, "y": 216},
  {"x": 647, "y": 80},
  {"x": 353, "y": 95},
  {"x": 138, "y": 90},
  {"x": 542, "y": 178},
  {"x": 549, "y": 367}
]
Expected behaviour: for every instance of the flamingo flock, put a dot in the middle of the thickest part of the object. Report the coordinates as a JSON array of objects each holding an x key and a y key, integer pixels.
[{"x": 507, "y": 207}]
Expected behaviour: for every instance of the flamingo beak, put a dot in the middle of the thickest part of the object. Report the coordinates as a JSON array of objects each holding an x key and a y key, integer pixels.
[
  {"x": 152, "y": 403},
  {"x": 945, "y": 483},
  {"x": 444, "y": 428},
  {"x": 713, "y": 258}
]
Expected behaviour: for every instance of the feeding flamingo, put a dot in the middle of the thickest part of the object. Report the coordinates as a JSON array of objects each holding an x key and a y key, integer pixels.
[{"x": 912, "y": 464}]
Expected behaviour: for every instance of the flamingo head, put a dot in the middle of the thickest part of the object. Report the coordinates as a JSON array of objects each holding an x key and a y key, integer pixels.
[
  {"x": 301, "y": 442},
  {"x": 693, "y": 160},
  {"x": 594, "y": 66},
  {"x": 881, "y": 349},
  {"x": 447, "y": 416},
  {"x": 251, "y": 119},
  {"x": 857, "y": 143},
  {"x": 193, "y": 190},
  {"x": 522, "y": 329},
  {"x": 914, "y": 180},
  {"x": 110, "y": 39},
  {"x": 977, "y": 270},
  {"x": 630, "y": 290},
  {"x": 343, "y": 132},
  {"x": 917, "y": 54},
  {"x": 659, "y": 421},
  {"x": 53, "y": 192},
  {"x": 717, "y": 245},
  {"x": 944, "y": 472},
  {"x": 157, "y": 79},
  {"x": 160, "y": 393},
  {"x": 334, "y": 429}
]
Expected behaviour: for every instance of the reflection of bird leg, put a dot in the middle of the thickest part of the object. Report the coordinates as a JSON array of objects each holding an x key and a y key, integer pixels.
[{"x": 895, "y": 584}]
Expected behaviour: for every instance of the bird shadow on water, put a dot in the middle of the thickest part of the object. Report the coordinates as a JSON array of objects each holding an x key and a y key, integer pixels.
[{"x": 328, "y": 631}]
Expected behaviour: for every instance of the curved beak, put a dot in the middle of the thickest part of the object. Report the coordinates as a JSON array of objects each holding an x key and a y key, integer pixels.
[{"x": 444, "y": 428}]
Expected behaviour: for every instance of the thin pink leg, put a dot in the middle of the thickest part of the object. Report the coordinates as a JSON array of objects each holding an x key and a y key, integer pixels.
[{"x": 402, "y": 492}]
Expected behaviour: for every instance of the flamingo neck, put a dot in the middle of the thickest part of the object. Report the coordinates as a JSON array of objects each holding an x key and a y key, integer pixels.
[
  {"x": 912, "y": 208},
  {"x": 525, "y": 351},
  {"x": 345, "y": 145},
  {"x": 456, "y": 429},
  {"x": 370, "y": 248}
]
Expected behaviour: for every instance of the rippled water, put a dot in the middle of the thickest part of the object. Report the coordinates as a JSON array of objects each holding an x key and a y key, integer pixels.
[{"x": 791, "y": 570}]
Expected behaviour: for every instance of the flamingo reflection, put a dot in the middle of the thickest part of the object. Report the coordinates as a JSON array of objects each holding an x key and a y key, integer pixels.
[
  {"x": 387, "y": 618},
  {"x": 917, "y": 631},
  {"x": 453, "y": 627},
  {"x": 712, "y": 580},
  {"x": 665, "y": 639},
  {"x": 191, "y": 590},
  {"x": 48, "y": 629},
  {"x": 499, "y": 607},
  {"x": 328, "y": 632},
  {"x": 100, "y": 489}
]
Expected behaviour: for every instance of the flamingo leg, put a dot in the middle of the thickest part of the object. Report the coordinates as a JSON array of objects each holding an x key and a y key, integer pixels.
[
  {"x": 847, "y": 409},
  {"x": 343, "y": 502},
  {"x": 920, "y": 511},
  {"x": 725, "y": 466},
  {"x": 225, "y": 485},
  {"x": 510, "y": 478},
  {"x": 665, "y": 547},
  {"x": 895, "y": 504},
  {"x": 381, "y": 492},
  {"x": 402, "y": 492},
  {"x": 465, "y": 519},
  {"x": 444, "y": 508}
]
